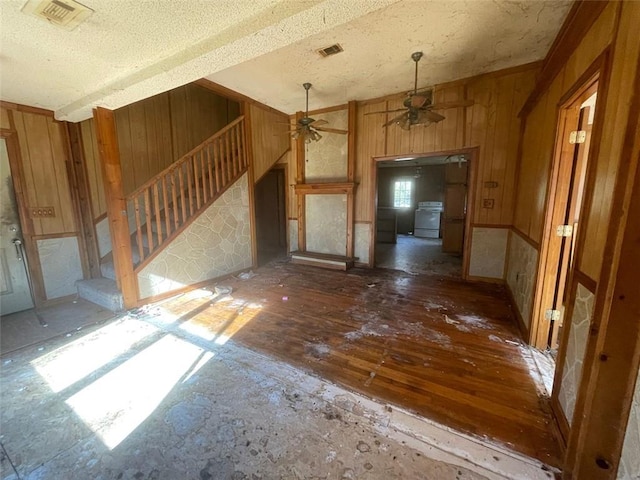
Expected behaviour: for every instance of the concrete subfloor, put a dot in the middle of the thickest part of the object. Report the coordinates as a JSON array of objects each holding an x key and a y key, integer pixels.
[
  {"x": 142, "y": 398},
  {"x": 418, "y": 255},
  {"x": 31, "y": 327}
]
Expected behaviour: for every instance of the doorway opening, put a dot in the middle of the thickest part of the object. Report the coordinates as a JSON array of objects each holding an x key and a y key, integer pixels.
[
  {"x": 568, "y": 176},
  {"x": 271, "y": 219},
  {"x": 15, "y": 287},
  {"x": 421, "y": 213}
]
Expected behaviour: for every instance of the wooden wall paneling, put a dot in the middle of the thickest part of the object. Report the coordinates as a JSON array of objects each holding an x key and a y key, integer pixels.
[
  {"x": 607, "y": 162},
  {"x": 480, "y": 92},
  {"x": 269, "y": 137},
  {"x": 4, "y": 119},
  {"x": 352, "y": 128},
  {"x": 528, "y": 165},
  {"x": 501, "y": 158},
  {"x": 542, "y": 170},
  {"x": 82, "y": 199},
  {"x": 370, "y": 142},
  {"x": 116, "y": 204},
  {"x": 61, "y": 157},
  {"x": 179, "y": 121},
  {"x": 43, "y": 153},
  {"x": 139, "y": 148},
  {"x": 94, "y": 170},
  {"x": 27, "y": 168}
]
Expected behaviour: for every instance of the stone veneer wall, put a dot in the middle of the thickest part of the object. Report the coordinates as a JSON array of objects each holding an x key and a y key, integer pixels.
[
  {"x": 326, "y": 223},
  {"x": 629, "y": 468},
  {"x": 488, "y": 252},
  {"x": 327, "y": 159},
  {"x": 217, "y": 243},
  {"x": 521, "y": 274},
  {"x": 293, "y": 234},
  {"x": 361, "y": 242},
  {"x": 61, "y": 266},
  {"x": 572, "y": 369}
]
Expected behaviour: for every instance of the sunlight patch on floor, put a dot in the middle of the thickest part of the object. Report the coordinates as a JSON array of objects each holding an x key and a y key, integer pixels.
[
  {"x": 221, "y": 320},
  {"x": 71, "y": 363},
  {"x": 117, "y": 403}
]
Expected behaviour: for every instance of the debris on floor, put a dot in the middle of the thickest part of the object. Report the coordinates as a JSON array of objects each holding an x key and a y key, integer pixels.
[{"x": 222, "y": 419}]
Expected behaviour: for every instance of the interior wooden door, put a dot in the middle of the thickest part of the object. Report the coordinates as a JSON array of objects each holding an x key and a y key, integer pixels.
[
  {"x": 455, "y": 207},
  {"x": 562, "y": 215}
]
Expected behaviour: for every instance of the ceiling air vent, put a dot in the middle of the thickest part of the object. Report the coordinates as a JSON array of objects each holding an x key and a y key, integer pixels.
[
  {"x": 67, "y": 14},
  {"x": 331, "y": 50}
]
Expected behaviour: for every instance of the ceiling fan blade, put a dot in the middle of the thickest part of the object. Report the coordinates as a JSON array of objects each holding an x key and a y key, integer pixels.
[
  {"x": 418, "y": 101},
  {"x": 446, "y": 105},
  {"x": 387, "y": 111},
  {"x": 331, "y": 130},
  {"x": 397, "y": 119},
  {"x": 315, "y": 123},
  {"x": 406, "y": 123},
  {"x": 432, "y": 117}
]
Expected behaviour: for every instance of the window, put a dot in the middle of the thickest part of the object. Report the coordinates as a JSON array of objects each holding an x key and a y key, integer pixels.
[{"x": 402, "y": 193}]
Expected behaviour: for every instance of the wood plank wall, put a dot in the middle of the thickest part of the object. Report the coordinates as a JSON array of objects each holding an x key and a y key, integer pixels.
[
  {"x": 44, "y": 154},
  {"x": 154, "y": 132},
  {"x": 269, "y": 138},
  {"x": 537, "y": 150},
  {"x": 491, "y": 123}
]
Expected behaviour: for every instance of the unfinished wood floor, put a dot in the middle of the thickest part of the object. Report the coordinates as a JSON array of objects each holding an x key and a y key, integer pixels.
[{"x": 439, "y": 347}]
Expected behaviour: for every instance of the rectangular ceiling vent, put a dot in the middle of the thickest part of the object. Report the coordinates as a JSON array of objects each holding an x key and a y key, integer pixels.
[
  {"x": 331, "y": 50},
  {"x": 67, "y": 14}
]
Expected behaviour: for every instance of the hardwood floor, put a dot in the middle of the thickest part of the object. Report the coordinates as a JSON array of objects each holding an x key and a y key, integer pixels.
[{"x": 437, "y": 346}]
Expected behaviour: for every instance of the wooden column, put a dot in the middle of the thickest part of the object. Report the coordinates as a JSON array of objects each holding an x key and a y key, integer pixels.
[
  {"x": 82, "y": 201},
  {"x": 351, "y": 174},
  {"x": 116, "y": 205},
  {"x": 300, "y": 178},
  {"x": 245, "y": 109}
]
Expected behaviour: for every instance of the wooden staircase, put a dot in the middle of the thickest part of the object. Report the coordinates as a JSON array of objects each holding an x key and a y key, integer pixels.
[{"x": 161, "y": 208}]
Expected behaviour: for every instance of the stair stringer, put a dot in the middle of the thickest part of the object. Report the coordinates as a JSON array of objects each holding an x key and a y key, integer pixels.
[{"x": 216, "y": 243}]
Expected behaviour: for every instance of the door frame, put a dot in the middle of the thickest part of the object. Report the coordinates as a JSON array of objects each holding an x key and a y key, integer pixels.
[
  {"x": 560, "y": 175},
  {"x": 472, "y": 154},
  {"x": 282, "y": 168},
  {"x": 26, "y": 224}
]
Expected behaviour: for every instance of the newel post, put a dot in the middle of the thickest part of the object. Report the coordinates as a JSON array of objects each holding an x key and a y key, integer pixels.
[{"x": 116, "y": 205}]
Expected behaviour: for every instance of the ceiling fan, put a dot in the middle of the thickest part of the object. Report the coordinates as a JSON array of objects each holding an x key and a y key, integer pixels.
[
  {"x": 307, "y": 128},
  {"x": 418, "y": 109}
]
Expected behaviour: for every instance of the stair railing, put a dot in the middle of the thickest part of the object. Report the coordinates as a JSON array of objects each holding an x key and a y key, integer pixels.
[{"x": 165, "y": 205}]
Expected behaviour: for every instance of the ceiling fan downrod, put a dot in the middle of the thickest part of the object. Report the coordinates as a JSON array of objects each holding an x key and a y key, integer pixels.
[
  {"x": 307, "y": 86},
  {"x": 416, "y": 56}
]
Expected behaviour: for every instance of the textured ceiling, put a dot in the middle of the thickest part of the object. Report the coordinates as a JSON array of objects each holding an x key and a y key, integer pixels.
[{"x": 129, "y": 50}]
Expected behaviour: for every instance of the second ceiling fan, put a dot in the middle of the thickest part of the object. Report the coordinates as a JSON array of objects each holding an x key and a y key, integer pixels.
[{"x": 418, "y": 107}]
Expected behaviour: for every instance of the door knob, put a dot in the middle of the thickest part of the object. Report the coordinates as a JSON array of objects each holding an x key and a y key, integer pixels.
[{"x": 18, "y": 244}]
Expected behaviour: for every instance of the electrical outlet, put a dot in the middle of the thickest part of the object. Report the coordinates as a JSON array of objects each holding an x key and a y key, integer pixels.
[{"x": 487, "y": 202}]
